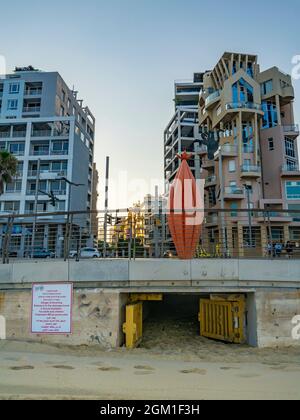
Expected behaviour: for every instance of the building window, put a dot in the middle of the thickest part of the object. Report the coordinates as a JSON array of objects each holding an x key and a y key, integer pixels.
[
  {"x": 14, "y": 187},
  {"x": 12, "y": 104},
  {"x": 234, "y": 207},
  {"x": 271, "y": 144},
  {"x": 11, "y": 206},
  {"x": 232, "y": 166},
  {"x": 14, "y": 88},
  {"x": 17, "y": 149},
  {"x": 290, "y": 147},
  {"x": 291, "y": 165},
  {"x": 267, "y": 87},
  {"x": 270, "y": 118},
  {"x": 63, "y": 94},
  {"x": 62, "y": 111},
  {"x": 242, "y": 92},
  {"x": 293, "y": 190}
]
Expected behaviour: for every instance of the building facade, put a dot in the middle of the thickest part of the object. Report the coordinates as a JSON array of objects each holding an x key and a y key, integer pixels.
[
  {"x": 256, "y": 166},
  {"x": 182, "y": 132},
  {"x": 47, "y": 128}
]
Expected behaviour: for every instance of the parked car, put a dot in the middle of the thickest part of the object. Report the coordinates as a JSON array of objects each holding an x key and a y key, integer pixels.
[
  {"x": 86, "y": 253},
  {"x": 40, "y": 253}
]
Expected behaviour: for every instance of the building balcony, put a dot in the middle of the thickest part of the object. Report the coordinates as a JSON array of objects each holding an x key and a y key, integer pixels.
[
  {"x": 212, "y": 99},
  {"x": 31, "y": 193},
  {"x": 291, "y": 130},
  {"x": 14, "y": 135},
  {"x": 44, "y": 174},
  {"x": 234, "y": 193},
  {"x": 212, "y": 220},
  {"x": 4, "y": 134},
  {"x": 227, "y": 150},
  {"x": 211, "y": 181},
  {"x": 290, "y": 170},
  {"x": 31, "y": 109},
  {"x": 207, "y": 163},
  {"x": 41, "y": 152},
  {"x": 250, "y": 171},
  {"x": 243, "y": 105},
  {"x": 33, "y": 92},
  {"x": 248, "y": 149},
  {"x": 274, "y": 217}
]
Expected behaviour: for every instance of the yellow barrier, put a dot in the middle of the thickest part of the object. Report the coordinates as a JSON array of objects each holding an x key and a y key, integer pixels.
[{"x": 222, "y": 318}]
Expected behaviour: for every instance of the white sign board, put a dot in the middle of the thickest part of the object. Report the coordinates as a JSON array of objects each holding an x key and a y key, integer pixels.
[{"x": 52, "y": 308}]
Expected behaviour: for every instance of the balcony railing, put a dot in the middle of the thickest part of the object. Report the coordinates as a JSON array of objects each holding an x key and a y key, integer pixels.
[
  {"x": 41, "y": 152},
  {"x": 250, "y": 168},
  {"x": 59, "y": 152},
  {"x": 41, "y": 133},
  {"x": 212, "y": 97},
  {"x": 211, "y": 179},
  {"x": 33, "y": 92},
  {"x": 228, "y": 148},
  {"x": 291, "y": 128},
  {"x": 32, "y": 109},
  {"x": 243, "y": 105},
  {"x": 19, "y": 134},
  {"x": 291, "y": 168},
  {"x": 4, "y": 134},
  {"x": 248, "y": 149},
  {"x": 45, "y": 172},
  {"x": 234, "y": 190}
]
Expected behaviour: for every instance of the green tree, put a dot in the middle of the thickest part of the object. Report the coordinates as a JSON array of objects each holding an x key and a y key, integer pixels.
[{"x": 8, "y": 169}]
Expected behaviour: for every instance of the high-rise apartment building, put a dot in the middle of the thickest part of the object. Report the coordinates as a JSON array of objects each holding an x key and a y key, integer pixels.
[
  {"x": 49, "y": 130},
  {"x": 183, "y": 129},
  {"x": 257, "y": 163}
]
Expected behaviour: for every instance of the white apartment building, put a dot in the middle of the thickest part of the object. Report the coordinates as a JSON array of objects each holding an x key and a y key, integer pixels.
[{"x": 51, "y": 133}]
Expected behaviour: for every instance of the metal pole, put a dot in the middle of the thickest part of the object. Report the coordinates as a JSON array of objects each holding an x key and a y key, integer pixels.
[
  {"x": 106, "y": 205},
  {"x": 156, "y": 215},
  {"x": 35, "y": 205},
  {"x": 249, "y": 216},
  {"x": 224, "y": 242},
  {"x": 197, "y": 161}
]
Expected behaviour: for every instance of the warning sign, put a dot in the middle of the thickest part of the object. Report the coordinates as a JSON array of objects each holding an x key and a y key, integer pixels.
[{"x": 52, "y": 308}]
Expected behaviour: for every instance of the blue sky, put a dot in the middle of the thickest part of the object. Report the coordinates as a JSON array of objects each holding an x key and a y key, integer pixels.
[{"x": 124, "y": 55}]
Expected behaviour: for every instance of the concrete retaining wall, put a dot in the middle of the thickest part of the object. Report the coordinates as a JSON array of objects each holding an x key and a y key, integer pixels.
[
  {"x": 96, "y": 318},
  {"x": 101, "y": 291}
]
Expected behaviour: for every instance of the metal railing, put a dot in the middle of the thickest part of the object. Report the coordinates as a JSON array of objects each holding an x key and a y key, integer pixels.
[
  {"x": 33, "y": 92},
  {"x": 291, "y": 168},
  {"x": 31, "y": 109},
  {"x": 243, "y": 105},
  {"x": 294, "y": 128},
  {"x": 250, "y": 168},
  {"x": 137, "y": 234}
]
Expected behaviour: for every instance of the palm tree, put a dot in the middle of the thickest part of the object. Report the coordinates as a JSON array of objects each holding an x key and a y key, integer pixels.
[{"x": 8, "y": 168}]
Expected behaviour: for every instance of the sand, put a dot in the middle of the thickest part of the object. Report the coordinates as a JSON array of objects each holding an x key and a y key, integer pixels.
[{"x": 172, "y": 363}]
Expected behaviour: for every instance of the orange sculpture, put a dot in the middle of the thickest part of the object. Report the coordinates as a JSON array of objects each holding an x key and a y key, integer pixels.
[{"x": 185, "y": 211}]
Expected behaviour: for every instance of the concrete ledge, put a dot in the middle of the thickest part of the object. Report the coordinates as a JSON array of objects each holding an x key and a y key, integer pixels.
[
  {"x": 214, "y": 270},
  {"x": 104, "y": 270},
  {"x": 40, "y": 272},
  {"x": 159, "y": 270},
  {"x": 153, "y": 273},
  {"x": 6, "y": 273},
  {"x": 269, "y": 270}
]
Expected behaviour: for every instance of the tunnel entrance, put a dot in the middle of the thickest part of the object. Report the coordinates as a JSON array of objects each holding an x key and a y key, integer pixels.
[
  {"x": 170, "y": 322},
  {"x": 173, "y": 321}
]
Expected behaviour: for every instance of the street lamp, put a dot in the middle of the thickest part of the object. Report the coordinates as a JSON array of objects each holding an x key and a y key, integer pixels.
[{"x": 71, "y": 184}]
